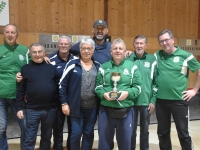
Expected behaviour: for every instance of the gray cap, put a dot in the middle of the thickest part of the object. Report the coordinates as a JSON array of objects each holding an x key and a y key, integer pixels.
[{"x": 100, "y": 23}]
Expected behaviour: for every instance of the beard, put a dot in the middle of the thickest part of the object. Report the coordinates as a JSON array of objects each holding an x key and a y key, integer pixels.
[{"x": 100, "y": 38}]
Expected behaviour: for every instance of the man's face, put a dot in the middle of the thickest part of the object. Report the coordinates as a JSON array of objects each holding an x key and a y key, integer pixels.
[
  {"x": 10, "y": 35},
  {"x": 166, "y": 43},
  {"x": 100, "y": 32},
  {"x": 140, "y": 46},
  {"x": 37, "y": 54},
  {"x": 118, "y": 51},
  {"x": 63, "y": 45}
]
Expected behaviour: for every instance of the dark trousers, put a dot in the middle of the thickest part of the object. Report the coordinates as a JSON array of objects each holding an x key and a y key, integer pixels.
[
  {"x": 4, "y": 106},
  {"x": 108, "y": 126},
  {"x": 33, "y": 118},
  {"x": 83, "y": 126},
  {"x": 180, "y": 112},
  {"x": 58, "y": 130},
  {"x": 144, "y": 127}
]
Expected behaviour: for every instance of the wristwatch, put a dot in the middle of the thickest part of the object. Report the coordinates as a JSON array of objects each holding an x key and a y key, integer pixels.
[{"x": 64, "y": 104}]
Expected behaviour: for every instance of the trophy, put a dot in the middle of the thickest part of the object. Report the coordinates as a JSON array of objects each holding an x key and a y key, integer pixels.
[{"x": 115, "y": 76}]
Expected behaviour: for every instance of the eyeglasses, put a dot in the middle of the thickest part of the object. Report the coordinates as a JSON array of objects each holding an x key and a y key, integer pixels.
[
  {"x": 166, "y": 40},
  {"x": 86, "y": 48},
  {"x": 37, "y": 52}
]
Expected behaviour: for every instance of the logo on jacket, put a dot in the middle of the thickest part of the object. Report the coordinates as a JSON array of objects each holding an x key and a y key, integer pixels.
[
  {"x": 126, "y": 72},
  {"x": 21, "y": 57},
  {"x": 176, "y": 59},
  {"x": 53, "y": 63},
  {"x": 146, "y": 64}
]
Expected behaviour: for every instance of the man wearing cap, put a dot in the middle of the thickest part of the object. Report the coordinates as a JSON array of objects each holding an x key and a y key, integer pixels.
[{"x": 102, "y": 46}]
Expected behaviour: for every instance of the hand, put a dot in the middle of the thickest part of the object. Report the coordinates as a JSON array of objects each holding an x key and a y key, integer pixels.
[
  {"x": 151, "y": 108},
  {"x": 20, "y": 114},
  {"x": 187, "y": 95},
  {"x": 66, "y": 109},
  {"x": 19, "y": 77},
  {"x": 128, "y": 53},
  {"x": 123, "y": 95},
  {"x": 47, "y": 60},
  {"x": 107, "y": 96}
]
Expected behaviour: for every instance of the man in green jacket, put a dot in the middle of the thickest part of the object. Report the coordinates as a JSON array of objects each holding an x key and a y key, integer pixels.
[
  {"x": 12, "y": 57},
  {"x": 145, "y": 102},
  {"x": 116, "y": 109}
]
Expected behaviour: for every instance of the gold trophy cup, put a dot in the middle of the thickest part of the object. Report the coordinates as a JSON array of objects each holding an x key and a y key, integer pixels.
[{"x": 115, "y": 77}]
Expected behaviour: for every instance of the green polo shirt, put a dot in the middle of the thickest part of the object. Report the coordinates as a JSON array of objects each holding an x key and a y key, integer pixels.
[{"x": 173, "y": 73}]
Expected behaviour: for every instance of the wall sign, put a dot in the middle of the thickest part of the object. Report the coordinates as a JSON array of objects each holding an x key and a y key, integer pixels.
[
  {"x": 50, "y": 41},
  {"x": 190, "y": 45},
  {"x": 4, "y": 12}
]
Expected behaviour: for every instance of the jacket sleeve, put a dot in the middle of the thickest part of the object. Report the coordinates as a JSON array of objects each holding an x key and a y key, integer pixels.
[
  {"x": 154, "y": 83},
  {"x": 64, "y": 84},
  {"x": 75, "y": 50},
  {"x": 21, "y": 92},
  {"x": 99, "y": 90},
  {"x": 135, "y": 89}
]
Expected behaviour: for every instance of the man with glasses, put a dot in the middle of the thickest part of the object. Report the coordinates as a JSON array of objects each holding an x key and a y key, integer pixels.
[
  {"x": 40, "y": 86},
  {"x": 59, "y": 59},
  {"x": 172, "y": 99}
]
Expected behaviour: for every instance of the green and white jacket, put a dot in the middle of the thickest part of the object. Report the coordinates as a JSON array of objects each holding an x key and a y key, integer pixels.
[
  {"x": 148, "y": 70},
  {"x": 12, "y": 58},
  {"x": 130, "y": 81}
]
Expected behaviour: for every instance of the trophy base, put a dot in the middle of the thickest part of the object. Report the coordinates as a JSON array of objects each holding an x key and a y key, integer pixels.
[{"x": 114, "y": 94}]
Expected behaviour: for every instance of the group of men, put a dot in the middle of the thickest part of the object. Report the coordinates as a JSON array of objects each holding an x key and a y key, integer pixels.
[{"x": 152, "y": 79}]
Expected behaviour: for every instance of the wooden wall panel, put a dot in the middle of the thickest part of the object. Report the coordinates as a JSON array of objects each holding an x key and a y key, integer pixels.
[
  {"x": 126, "y": 18},
  {"x": 98, "y": 10},
  {"x": 23, "y": 15},
  {"x": 39, "y": 16}
]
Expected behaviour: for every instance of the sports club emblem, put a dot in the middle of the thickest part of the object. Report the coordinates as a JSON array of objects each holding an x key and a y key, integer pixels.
[
  {"x": 176, "y": 59},
  {"x": 125, "y": 72},
  {"x": 146, "y": 64},
  {"x": 21, "y": 57}
]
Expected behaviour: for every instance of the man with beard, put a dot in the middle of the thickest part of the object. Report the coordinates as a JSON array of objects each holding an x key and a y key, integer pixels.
[{"x": 102, "y": 46}]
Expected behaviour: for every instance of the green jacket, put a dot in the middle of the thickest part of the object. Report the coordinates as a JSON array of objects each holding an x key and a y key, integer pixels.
[
  {"x": 12, "y": 58},
  {"x": 148, "y": 70},
  {"x": 130, "y": 81}
]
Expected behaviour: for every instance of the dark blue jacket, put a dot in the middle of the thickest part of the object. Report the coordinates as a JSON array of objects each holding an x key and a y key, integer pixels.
[
  {"x": 101, "y": 54},
  {"x": 59, "y": 63},
  {"x": 70, "y": 86}
]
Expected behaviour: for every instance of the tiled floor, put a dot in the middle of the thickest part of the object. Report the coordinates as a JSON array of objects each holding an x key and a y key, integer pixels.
[{"x": 153, "y": 140}]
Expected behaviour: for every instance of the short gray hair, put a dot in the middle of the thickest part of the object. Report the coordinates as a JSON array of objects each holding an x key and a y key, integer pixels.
[
  {"x": 36, "y": 44},
  {"x": 87, "y": 40},
  {"x": 16, "y": 29},
  {"x": 65, "y": 37},
  {"x": 118, "y": 40},
  {"x": 140, "y": 37}
]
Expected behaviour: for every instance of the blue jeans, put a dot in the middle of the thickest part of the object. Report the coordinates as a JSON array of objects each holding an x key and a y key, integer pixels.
[
  {"x": 144, "y": 127},
  {"x": 83, "y": 125},
  {"x": 4, "y": 105},
  {"x": 108, "y": 126},
  {"x": 33, "y": 118}
]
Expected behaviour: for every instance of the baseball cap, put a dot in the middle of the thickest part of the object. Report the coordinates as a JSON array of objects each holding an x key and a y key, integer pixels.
[{"x": 100, "y": 23}]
